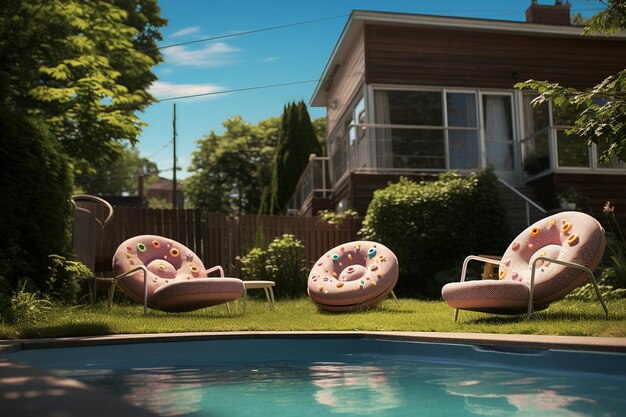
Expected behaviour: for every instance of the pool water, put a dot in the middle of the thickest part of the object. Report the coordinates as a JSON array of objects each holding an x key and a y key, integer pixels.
[{"x": 347, "y": 377}]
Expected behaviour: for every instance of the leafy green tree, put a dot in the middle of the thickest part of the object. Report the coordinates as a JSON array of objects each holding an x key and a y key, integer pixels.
[
  {"x": 320, "y": 125},
  {"x": 296, "y": 142},
  {"x": 83, "y": 67},
  {"x": 226, "y": 167},
  {"x": 120, "y": 176},
  {"x": 36, "y": 186},
  {"x": 602, "y": 108}
]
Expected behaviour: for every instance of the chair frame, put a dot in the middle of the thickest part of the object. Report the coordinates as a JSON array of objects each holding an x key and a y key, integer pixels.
[
  {"x": 144, "y": 270},
  {"x": 529, "y": 309}
]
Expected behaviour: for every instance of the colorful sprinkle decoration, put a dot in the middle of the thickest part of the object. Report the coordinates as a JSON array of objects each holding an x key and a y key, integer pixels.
[{"x": 371, "y": 252}]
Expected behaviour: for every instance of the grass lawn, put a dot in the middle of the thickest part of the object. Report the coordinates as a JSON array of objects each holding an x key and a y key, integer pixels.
[{"x": 573, "y": 318}]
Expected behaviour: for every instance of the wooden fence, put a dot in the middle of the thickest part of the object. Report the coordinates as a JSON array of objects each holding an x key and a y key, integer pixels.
[{"x": 216, "y": 238}]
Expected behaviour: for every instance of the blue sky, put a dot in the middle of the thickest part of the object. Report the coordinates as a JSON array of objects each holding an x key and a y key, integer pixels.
[{"x": 288, "y": 55}]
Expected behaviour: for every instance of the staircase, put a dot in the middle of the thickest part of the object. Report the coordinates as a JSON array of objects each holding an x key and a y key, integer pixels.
[{"x": 521, "y": 210}]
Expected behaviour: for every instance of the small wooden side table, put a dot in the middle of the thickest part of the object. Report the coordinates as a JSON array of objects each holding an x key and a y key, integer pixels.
[{"x": 267, "y": 287}]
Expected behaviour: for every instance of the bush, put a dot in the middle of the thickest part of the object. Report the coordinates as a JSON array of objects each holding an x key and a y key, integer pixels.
[
  {"x": 432, "y": 226},
  {"x": 35, "y": 209},
  {"x": 283, "y": 262},
  {"x": 608, "y": 283},
  {"x": 66, "y": 278},
  {"x": 25, "y": 305}
]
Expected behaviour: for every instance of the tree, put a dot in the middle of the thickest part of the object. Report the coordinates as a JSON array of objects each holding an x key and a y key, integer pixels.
[
  {"x": 227, "y": 168},
  {"x": 83, "y": 67},
  {"x": 35, "y": 209},
  {"x": 296, "y": 142},
  {"x": 120, "y": 176},
  {"x": 602, "y": 109}
]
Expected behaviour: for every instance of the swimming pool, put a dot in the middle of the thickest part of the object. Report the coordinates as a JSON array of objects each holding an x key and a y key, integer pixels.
[{"x": 347, "y": 377}]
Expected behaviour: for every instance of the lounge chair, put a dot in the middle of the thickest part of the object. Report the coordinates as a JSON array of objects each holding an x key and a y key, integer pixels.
[
  {"x": 353, "y": 276},
  {"x": 163, "y": 274},
  {"x": 91, "y": 215},
  {"x": 542, "y": 265}
]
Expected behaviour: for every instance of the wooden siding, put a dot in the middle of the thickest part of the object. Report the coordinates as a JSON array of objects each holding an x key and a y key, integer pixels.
[
  {"x": 346, "y": 81},
  {"x": 471, "y": 58},
  {"x": 596, "y": 189}
]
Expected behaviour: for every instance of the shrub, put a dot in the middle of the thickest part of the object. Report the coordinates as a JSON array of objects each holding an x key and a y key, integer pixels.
[
  {"x": 66, "y": 278},
  {"x": 282, "y": 262},
  {"x": 35, "y": 209},
  {"x": 432, "y": 225},
  {"x": 26, "y": 305},
  {"x": 254, "y": 265},
  {"x": 608, "y": 283}
]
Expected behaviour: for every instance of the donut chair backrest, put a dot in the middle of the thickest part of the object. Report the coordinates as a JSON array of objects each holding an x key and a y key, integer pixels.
[
  {"x": 569, "y": 236},
  {"x": 166, "y": 260},
  {"x": 353, "y": 276}
]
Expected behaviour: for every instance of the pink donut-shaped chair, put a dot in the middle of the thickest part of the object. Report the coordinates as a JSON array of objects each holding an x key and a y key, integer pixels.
[
  {"x": 353, "y": 276},
  {"x": 561, "y": 250},
  {"x": 176, "y": 279}
]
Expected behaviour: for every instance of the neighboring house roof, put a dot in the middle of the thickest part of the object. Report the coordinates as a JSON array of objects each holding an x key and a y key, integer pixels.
[
  {"x": 358, "y": 18},
  {"x": 164, "y": 184}
]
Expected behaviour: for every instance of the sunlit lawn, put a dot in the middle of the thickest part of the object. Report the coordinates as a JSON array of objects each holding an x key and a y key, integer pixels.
[{"x": 562, "y": 318}]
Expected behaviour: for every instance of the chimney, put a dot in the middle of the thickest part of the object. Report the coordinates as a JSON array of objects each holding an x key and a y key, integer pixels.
[{"x": 558, "y": 14}]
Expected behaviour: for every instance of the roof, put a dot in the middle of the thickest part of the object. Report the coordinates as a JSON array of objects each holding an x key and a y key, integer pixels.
[
  {"x": 358, "y": 18},
  {"x": 164, "y": 184}
]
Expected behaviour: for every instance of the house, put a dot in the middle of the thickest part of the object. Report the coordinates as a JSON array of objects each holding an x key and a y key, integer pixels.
[
  {"x": 414, "y": 95},
  {"x": 163, "y": 189}
]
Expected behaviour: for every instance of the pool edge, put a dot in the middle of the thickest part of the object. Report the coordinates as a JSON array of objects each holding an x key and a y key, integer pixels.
[{"x": 586, "y": 343}]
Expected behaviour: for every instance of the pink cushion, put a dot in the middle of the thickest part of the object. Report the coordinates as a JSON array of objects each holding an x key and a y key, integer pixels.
[
  {"x": 177, "y": 279},
  {"x": 568, "y": 236},
  {"x": 353, "y": 276}
]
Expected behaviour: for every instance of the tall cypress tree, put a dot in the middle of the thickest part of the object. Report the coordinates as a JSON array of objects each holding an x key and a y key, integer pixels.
[{"x": 297, "y": 140}]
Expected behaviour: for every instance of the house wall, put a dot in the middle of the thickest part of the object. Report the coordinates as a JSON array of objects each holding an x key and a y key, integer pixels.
[
  {"x": 596, "y": 190},
  {"x": 471, "y": 58},
  {"x": 347, "y": 79}
]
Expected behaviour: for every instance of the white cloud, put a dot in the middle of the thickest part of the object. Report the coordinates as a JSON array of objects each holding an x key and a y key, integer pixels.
[
  {"x": 162, "y": 89},
  {"x": 210, "y": 55},
  {"x": 270, "y": 59},
  {"x": 184, "y": 32}
]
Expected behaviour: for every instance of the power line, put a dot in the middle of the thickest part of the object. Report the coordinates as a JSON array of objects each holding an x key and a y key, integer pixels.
[
  {"x": 232, "y": 35},
  {"x": 235, "y": 90}
]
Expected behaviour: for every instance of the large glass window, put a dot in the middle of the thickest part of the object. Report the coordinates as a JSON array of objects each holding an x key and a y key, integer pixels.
[
  {"x": 548, "y": 124},
  {"x": 535, "y": 144},
  {"x": 426, "y": 129}
]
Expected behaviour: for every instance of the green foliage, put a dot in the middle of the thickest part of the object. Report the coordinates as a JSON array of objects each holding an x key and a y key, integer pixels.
[
  {"x": 66, "y": 278},
  {"x": 83, "y": 67},
  {"x": 297, "y": 140},
  {"x": 35, "y": 210},
  {"x": 120, "y": 175},
  {"x": 226, "y": 167},
  {"x": 336, "y": 219},
  {"x": 616, "y": 246},
  {"x": 26, "y": 306},
  {"x": 254, "y": 265},
  {"x": 432, "y": 226},
  {"x": 282, "y": 262},
  {"x": 609, "y": 284},
  {"x": 602, "y": 109},
  {"x": 155, "y": 203},
  {"x": 608, "y": 21}
]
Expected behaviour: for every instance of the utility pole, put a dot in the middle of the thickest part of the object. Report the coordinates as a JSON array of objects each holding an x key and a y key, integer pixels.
[{"x": 174, "y": 199}]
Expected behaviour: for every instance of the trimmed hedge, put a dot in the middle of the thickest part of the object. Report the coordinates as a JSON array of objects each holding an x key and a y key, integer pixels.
[{"x": 433, "y": 225}]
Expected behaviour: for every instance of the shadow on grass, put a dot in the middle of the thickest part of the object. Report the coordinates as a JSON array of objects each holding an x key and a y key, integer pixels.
[
  {"x": 65, "y": 330},
  {"x": 543, "y": 316}
]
